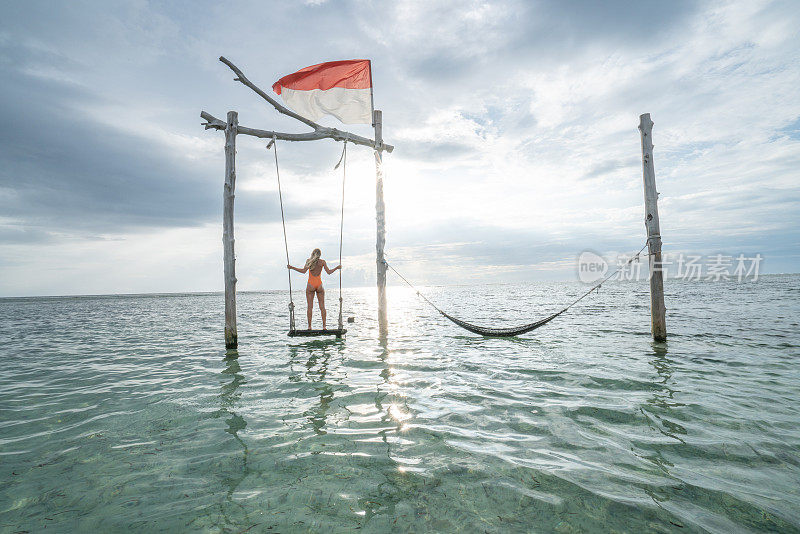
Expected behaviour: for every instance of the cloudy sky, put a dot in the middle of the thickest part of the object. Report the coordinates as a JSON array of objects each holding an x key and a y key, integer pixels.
[{"x": 515, "y": 126}]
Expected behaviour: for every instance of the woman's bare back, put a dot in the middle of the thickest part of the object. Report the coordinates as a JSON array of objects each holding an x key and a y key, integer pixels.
[{"x": 317, "y": 270}]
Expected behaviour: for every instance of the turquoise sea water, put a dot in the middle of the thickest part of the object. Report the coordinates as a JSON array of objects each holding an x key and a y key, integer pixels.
[{"x": 125, "y": 413}]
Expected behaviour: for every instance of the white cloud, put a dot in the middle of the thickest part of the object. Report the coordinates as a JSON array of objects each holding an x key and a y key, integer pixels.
[{"x": 513, "y": 122}]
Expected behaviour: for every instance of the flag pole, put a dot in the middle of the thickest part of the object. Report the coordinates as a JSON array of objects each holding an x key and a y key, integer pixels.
[{"x": 371, "y": 96}]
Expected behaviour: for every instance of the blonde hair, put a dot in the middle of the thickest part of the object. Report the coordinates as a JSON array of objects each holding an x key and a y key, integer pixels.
[{"x": 312, "y": 261}]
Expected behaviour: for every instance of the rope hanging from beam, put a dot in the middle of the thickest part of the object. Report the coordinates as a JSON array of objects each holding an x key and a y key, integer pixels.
[
  {"x": 343, "y": 162},
  {"x": 274, "y": 143}
]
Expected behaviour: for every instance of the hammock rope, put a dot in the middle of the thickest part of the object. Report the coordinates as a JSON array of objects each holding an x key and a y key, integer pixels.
[{"x": 518, "y": 330}]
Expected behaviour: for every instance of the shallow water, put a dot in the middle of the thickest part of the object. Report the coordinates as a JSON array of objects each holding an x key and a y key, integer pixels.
[{"x": 125, "y": 413}]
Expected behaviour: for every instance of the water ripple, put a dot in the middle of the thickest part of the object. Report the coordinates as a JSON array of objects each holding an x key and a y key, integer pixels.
[{"x": 123, "y": 413}]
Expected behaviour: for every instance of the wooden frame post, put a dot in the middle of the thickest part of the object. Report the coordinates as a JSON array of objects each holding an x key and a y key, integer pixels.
[
  {"x": 231, "y": 129},
  {"x": 658, "y": 323},
  {"x": 380, "y": 219}
]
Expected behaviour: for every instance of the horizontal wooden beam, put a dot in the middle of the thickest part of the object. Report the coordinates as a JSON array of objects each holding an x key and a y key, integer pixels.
[{"x": 321, "y": 132}]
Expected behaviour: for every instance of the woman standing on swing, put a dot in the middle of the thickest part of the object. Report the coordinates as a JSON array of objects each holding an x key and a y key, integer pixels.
[{"x": 314, "y": 266}]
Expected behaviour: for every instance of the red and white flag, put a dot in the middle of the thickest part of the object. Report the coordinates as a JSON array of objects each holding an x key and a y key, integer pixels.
[{"x": 339, "y": 88}]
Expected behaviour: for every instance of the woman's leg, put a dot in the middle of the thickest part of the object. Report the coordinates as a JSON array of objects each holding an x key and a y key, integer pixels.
[
  {"x": 310, "y": 302},
  {"x": 321, "y": 301}
]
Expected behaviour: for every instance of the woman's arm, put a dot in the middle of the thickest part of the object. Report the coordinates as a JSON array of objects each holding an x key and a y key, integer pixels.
[
  {"x": 329, "y": 271},
  {"x": 301, "y": 271}
]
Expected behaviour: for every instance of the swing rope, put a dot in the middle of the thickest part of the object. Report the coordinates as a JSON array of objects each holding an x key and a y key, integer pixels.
[
  {"x": 274, "y": 143},
  {"x": 514, "y": 331},
  {"x": 342, "y": 160}
]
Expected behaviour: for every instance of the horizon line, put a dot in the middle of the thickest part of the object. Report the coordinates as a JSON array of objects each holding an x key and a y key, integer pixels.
[{"x": 222, "y": 291}]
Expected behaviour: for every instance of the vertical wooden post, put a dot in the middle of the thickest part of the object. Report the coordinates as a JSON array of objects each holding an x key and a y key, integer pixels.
[
  {"x": 380, "y": 217},
  {"x": 231, "y": 337},
  {"x": 658, "y": 323}
]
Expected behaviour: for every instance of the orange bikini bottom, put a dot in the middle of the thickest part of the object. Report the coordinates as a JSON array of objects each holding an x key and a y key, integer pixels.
[{"x": 315, "y": 281}]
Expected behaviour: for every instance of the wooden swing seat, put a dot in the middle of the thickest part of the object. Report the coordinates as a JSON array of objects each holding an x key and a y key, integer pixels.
[{"x": 338, "y": 332}]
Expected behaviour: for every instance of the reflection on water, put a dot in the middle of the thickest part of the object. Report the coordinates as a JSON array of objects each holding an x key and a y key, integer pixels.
[
  {"x": 229, "y": 397},
  {"x": 585, "y": 426},
  {"x": 663, "y": 399},
  {"x": 318, "y": 354},
  {"x": 663, "y": 396}
]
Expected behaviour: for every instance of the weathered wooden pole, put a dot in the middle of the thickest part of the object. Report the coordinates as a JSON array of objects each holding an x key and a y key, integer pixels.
[
  {"x": 231, "y": 129},
  {"x": 380, "y": 217},
  {"x": 658, "y": 312}
]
